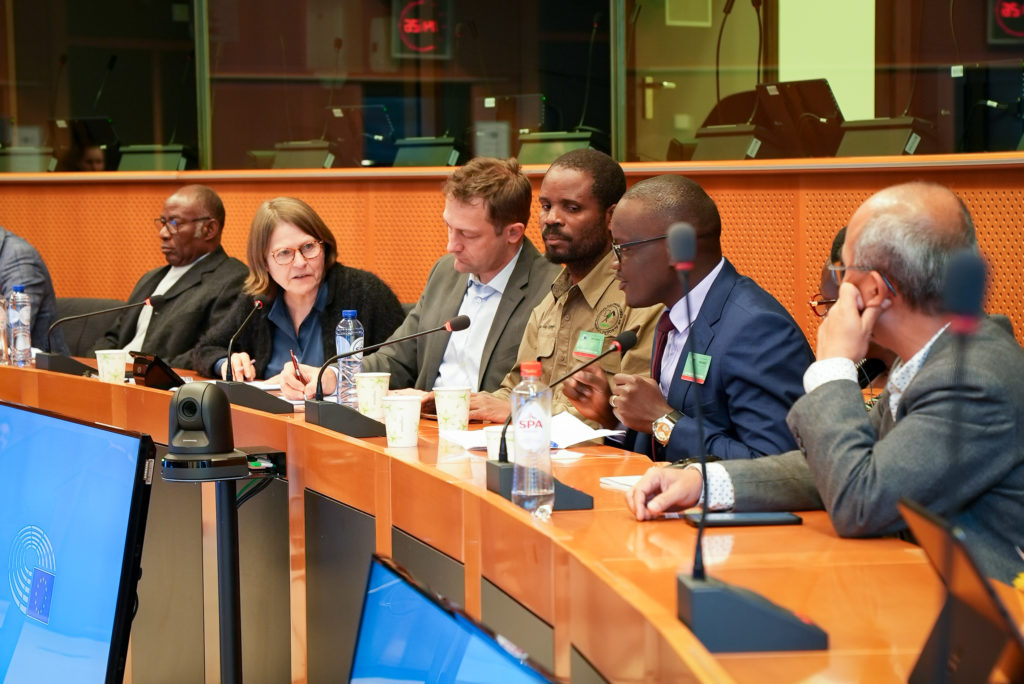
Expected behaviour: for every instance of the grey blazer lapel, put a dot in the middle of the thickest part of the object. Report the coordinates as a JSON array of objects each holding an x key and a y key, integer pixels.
[
  {"x": 511, "y": 298},
  {"x": 208, "y": 264}
]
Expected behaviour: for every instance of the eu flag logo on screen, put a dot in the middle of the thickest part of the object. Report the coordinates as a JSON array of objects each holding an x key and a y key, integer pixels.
[{"x": 40, "y": 595}]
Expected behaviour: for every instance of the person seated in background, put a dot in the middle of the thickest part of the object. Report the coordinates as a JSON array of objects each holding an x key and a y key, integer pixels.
[
  {"x": 199, "y": 283},
  {"x": 946, "y": 431},
  {"x": 750, "y": 354},
  {"x": 294, "y": 270},
  {"x": 21, "y": 264},
  {"x": 872, "y": 370},
  {"x": 497, "y": 271},
  {"x": 83, "y": 158},
  {"x": 583, "y": 309}
]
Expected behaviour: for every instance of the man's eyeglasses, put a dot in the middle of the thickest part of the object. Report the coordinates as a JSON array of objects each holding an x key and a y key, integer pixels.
[
  {"x": 620, "y": 249},
  {"x": 820, "y": 305},
  {"x": 838, "y": 272},
  {"x": 286, "y": 255},
  {"x": 173, "y": 225}
]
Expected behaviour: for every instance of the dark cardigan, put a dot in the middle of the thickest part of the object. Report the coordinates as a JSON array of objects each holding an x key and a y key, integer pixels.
[{"x": 347, "y": 288}]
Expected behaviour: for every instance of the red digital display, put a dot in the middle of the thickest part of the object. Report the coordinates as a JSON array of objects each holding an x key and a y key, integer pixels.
[
  {"x": 1006, "y": 21},
  {"x": 421, "y": 29}
]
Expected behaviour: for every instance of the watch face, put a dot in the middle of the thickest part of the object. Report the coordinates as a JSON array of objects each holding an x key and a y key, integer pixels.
[{"x": 662, "y": 430}]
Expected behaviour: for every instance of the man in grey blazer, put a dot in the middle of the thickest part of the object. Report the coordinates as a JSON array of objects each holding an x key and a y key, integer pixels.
[
  {"x": 198, "y": 284},
  {"x": 857, "y": 465},
  {"x": 492, "y": 273}
]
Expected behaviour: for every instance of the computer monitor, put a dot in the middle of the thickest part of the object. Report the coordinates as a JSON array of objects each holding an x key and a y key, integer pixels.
[
  {"x": 429, "y": 151},
  {"x": 974, "y": 633},
  {"x": 801, "y": 118},
  {"x": 73, "y": 503},
  {"x": 360, "y": 135},
  {"x": 409, "y": 634}
]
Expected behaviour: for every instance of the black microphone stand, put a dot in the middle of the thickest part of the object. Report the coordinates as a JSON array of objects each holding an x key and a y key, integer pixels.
[{"x": 62, "y": 363}]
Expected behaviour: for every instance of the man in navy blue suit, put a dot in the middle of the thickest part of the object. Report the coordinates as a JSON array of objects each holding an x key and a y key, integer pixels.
[{"x": 748, "y": 355}]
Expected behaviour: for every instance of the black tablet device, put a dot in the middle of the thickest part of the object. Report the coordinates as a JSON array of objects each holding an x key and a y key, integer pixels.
[
  {"x": 726, "y": 519},
  {"x": 974, "y": 634},
  {"x": 73, "y": 503},
  {"x": 152, "y": 371}
]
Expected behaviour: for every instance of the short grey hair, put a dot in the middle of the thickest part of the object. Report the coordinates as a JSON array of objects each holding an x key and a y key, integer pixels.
[{"x": 903, "y": 243}]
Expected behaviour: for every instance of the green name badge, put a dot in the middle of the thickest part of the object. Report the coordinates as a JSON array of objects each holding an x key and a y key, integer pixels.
[
  {"x": 696, "y": 367},
  {"x": 589, "y": 345}
]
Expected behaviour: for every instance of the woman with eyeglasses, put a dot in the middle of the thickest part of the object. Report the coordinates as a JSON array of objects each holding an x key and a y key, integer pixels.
[{"x": 303, "y": 288}]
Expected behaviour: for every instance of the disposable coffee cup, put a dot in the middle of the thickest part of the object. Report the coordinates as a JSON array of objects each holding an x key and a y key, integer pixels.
[
  {"x": 452, "y": 406},
  {"x": 493, "y": 435},
  {"x": 370, "y": 391},
  {"x": 402, "y": 419},
  {"x": 110, "y": 364}
]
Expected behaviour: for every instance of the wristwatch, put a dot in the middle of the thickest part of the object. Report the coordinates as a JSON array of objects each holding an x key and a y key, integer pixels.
[{"x": 662, "y": 427}]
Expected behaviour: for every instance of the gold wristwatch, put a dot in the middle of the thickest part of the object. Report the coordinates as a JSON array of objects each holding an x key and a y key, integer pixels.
[{"x": 662, "y": 427}]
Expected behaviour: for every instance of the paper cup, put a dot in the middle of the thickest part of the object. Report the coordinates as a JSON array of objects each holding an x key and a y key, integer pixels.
[
  {"x": 370, "y": 390},
  {"x": 402, "y": 419},
  {"x": 493, "y": 435},
  {"x": 452, "y": 407},
  {"x": 110, "y": 363}
]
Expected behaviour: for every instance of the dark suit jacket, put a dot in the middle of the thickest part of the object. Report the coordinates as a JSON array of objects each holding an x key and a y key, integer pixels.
[
  {"x": 758, "y": 357},
  {"x": 377, "y": 308},
  {"x": 415, "y": 363},
  {"x": 198, "y": 300},
  {"x": 859, "y": 464}
]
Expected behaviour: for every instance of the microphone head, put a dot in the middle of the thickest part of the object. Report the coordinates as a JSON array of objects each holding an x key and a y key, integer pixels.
[
  {"x": 258, "y": 303},
  {"x": 964, "y": 288},
  {"x": 457, "y": 323},
  {"x": 682, "y": 244},
  {"x": 626, "y": 340},
  {"x": 156, "y": 300}
]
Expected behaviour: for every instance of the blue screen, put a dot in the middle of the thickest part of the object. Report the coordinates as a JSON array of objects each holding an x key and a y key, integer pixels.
[
  {"x": 406, "y": 637},
  {"x": 65, "y": 498}
]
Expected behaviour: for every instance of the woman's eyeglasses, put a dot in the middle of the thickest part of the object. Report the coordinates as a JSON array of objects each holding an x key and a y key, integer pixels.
[{"x": 286, "y": 255}]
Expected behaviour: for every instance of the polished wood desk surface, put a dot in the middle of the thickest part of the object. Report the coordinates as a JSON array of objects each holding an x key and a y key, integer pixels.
[{"x": 605, "y": 582}]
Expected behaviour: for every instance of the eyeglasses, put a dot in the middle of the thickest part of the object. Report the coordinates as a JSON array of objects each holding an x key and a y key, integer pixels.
[
  {"x": 820, "y": 305},
  {"x": 620, "y": 249},
  {"x": 286, "y": 255},
  {"x": 838, "y": 272},
  {"x": 173, "y": 225}
]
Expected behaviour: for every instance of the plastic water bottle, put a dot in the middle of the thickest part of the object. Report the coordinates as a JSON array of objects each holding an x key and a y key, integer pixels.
[
  {"x": 532, "y": 486},
  {"x": 19, "y": 322},
  {"x": 348, "y": 336}
]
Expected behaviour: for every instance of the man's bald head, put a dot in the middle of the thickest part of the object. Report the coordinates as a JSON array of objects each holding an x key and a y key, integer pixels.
[{"x": 908, "y": 233}]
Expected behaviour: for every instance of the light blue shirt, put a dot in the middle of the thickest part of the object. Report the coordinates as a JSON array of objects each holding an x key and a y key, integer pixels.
[
  {"x": 460, "y": 365},
  {"x": 677, "y": 337}
]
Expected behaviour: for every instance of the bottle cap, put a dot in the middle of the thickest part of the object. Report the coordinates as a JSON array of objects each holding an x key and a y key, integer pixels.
[
  {"x": 18, "y": 288},
  {"x": 348, "y": 313},
  {"x": 530, "y": 369}
]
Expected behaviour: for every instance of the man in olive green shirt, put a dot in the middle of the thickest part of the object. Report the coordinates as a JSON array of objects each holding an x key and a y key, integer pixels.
[{"x": 585, "y": 308}]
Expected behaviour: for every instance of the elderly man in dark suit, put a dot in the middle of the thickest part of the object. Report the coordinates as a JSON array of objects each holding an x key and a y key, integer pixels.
[
  {"x": 858, "y": 464},
  {"x": 198, "y": 284},
  {"x": 492, "y": 273},
  {"x": 751, "y": 354}
]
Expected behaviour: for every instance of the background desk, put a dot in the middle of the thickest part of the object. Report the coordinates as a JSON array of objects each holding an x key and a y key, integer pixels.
[{"x": 590, "y": 592}]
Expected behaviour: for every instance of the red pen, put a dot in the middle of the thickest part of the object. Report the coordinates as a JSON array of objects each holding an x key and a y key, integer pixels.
[{"x": 295, "y": 365}]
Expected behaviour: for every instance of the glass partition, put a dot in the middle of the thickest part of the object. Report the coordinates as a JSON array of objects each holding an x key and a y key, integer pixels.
[{"x": 227, "y": 84}]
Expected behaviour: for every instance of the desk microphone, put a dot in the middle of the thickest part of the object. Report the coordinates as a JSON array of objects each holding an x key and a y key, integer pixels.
[
  {"x": 257, "y": 305},
  {"x": 62, "y": 363},
  {"x": 499, "y": 472},
  {"x": 454, "y": 325},
  {"x": 346, "y": 420},
  {"x": 723, "y": 617},
  {"x": 625, "y": 341}
]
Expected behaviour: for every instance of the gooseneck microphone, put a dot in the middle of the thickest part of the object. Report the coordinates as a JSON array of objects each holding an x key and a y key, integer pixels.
[
  {"x": 682, "y": 249},
  {"x": 625, "y": 341},
  {"x": 257, "y": 305},
  {"x": 454, "y": 325},
  {"x": 62, "y": 363},
  {"x": 755, "y": 623}
]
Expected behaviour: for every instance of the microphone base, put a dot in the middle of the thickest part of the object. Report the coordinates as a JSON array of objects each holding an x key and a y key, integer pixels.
[
  {"x": 499, "y": 481},
  {"x": 240, "y": 394},
  {"x": 343, "y": 419},
  {"x": 61, "y": 363},
  {"x": 730, "y": 619},
  {"x": 233, "y": 465}
]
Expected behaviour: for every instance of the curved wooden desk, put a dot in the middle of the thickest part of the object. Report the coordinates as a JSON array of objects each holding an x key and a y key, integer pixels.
[{"x": 603, "y": 583}]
